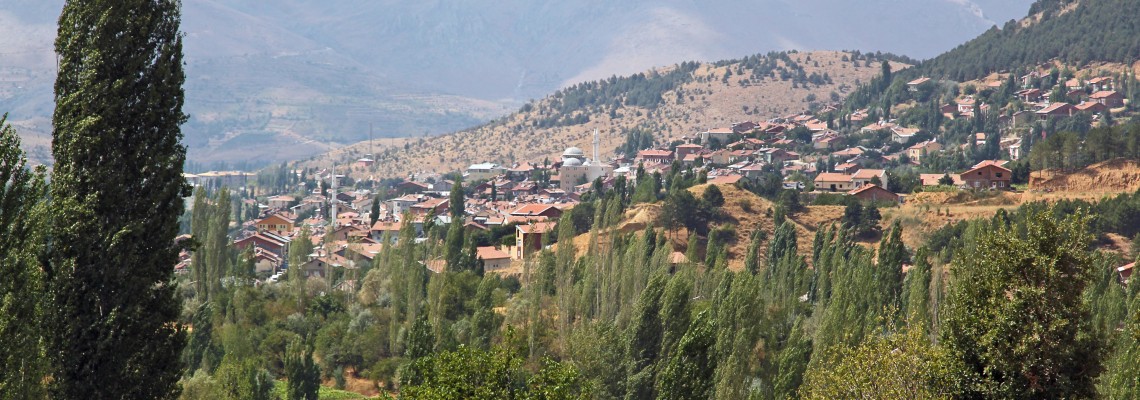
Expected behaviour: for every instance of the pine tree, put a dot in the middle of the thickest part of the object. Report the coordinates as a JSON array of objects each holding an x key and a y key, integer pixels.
[
  {"x": 22, "y": 200},
  {"x": 117, "y": 194}
]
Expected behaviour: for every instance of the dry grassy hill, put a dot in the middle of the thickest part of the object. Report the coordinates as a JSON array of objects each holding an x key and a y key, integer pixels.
[
  {"x": 1107, "y": 177},
  {"x": 704, "y": 99},
  {"x": 743, "y": 210}
]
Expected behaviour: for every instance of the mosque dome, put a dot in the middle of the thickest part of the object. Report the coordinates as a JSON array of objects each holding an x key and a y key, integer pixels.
[{"x": 573, "y": 152}]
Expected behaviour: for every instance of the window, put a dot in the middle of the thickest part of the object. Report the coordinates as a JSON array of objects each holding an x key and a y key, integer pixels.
[{"x": 999, "y": 174}]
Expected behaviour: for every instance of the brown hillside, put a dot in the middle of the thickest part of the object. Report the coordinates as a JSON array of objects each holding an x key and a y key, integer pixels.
[
  {"x": 1112, "y": 176},
  {"x": 745, "y": 221},
  {"x": 707, "y": 101}
]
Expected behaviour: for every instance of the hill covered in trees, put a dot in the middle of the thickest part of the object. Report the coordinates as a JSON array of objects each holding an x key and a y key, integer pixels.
[{"x": 1076, "y": 32}]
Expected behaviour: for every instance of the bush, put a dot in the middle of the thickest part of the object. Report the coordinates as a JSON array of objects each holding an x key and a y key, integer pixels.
[{"x": 745, "y": 204}]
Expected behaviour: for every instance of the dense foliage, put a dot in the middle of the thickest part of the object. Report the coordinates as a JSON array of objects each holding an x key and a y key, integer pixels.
[
  {"x": 116, "y": 193},
  {"x": 1096, "y": 30}
]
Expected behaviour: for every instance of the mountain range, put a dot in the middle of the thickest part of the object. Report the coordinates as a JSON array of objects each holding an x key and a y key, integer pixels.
[{"x": 271, "y": 81}]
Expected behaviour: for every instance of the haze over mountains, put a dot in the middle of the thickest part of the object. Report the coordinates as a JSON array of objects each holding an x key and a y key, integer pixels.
[{"x": 270, "y": 81}]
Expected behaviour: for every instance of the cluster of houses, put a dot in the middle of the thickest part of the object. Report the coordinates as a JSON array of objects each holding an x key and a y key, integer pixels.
[{"x": 529, "y": 198}]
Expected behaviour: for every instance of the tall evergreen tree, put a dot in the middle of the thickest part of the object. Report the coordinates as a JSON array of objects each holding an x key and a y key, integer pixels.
[
  {"x": 117, "y": 194},
  {"x": 22, "y": 195}
]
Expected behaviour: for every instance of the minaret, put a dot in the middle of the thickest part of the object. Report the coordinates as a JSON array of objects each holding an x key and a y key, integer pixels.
[
  {"x": 596, "y": 141},
  {"x": 332, "y": 202}
]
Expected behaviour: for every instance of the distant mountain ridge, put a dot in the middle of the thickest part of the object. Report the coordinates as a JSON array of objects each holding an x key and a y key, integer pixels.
[
  {"x": 657, "y": 106},
  {"x": 285, "y": 79}
]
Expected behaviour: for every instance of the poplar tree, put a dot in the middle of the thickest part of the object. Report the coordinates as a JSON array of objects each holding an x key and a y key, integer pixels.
[
  {"x": 1016, "y": 316},
  {"x": 117, "y": 193},
  {"x": 22, "y": 194}
]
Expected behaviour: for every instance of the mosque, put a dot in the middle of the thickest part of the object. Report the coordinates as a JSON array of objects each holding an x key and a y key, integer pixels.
[{"x": 577, "y": 169}]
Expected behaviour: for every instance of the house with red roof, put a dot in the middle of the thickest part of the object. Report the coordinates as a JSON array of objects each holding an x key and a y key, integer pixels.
[
  {"x": 654, "y": 156},
  {"x": 1056, "y": 110},
  {"x": 833, "y": 182},
  {"x": 493, "y": 258},
  {"x": 528, "y": 237},
  {"x": 989, "y": 174},
  {"x": 874, "y": 194},
  {"x": 865, "y": 177},
  {"x": 537, "y": 210},
  {"x": 439, "y": 206},
  {"x": 275, "y": 223},
  {"x": 1110, "y": 98}
]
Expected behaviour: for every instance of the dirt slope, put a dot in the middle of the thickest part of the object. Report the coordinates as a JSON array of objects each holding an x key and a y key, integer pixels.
[{"x": 707, "y": 100}]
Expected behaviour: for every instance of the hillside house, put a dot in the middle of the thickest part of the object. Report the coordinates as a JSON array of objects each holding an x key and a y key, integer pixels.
[
  {"x": 687, "y": 149},
  {"x": 1091, "y": 107},
  {"x": 744, "y": 127},
  {"x": 493, "y": 258},
  {"x": 920, "y": 150},
  {"x": 966, "y": 105},
  {"x": 1030, "y": 95},
  {"x": 933, "y": 179},
  {"x": 1125, "y": 272},
  {"x": 528, "y": 237},
  {"x": 1101, "y": 83},
  {"x": 722, "y": 135},
  {"x": 833, "y": 182},
  {"x": 280, "y": 202},
  {"x": 267, "y": 241},
  {"x": 913, "y": 85},
  {"x": 866, "y": 177},
  {"x": 321, "y": 266},
  {"x": 438, "y": 206},
  {"x": 1110, "y": 98},
  {"x": 275, "y": 223},
  {"x": 483, "y": 171},
  {"x": 654, "y": 156},
  {"x": 538, "y": 210},
  {"x": 1056, "y": 110},
  {"x": 520, "y": 172},
  {"x": 265, "y": 262},
  {"x": 987, "y": 175},
  {"x": 401, "y": 204},
  {"x": 902, "y": 135},
  {"x": 874, "y": 194},
  {"x": 849, "y": 152},
  {"x": 1013, "y": 147}
]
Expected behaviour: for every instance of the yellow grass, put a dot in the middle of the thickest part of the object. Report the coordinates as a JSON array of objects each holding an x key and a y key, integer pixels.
[{"x": 706, "y": 103}]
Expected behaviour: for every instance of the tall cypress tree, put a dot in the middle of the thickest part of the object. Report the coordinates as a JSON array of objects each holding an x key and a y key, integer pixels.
[{"x": 117, "y": 191}]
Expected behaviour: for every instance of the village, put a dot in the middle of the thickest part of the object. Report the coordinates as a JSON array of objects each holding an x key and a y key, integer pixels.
[{"x": 514, "y": 206}]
